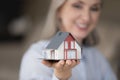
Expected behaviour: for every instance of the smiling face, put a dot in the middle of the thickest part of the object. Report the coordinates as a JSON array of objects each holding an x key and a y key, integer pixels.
[{"x": 79, "y": 17}]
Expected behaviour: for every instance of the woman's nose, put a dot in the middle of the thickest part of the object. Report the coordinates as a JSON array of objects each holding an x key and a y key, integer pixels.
[{"x": 85, "y": 15}]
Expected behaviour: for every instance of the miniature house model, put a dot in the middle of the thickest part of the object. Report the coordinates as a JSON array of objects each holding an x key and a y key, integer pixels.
[{"x": 62, "y": 46}]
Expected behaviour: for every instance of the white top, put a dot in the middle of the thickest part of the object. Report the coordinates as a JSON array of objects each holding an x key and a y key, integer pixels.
[{"x": 93, "y": 66}]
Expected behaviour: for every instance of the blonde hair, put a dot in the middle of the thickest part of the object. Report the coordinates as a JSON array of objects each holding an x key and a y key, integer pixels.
[
  {"x": 51, "y": 24},
  {"x": 50, "y": 27}
]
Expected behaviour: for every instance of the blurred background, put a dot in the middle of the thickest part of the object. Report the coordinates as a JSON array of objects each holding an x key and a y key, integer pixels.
[{"x": 21, "y": 23}]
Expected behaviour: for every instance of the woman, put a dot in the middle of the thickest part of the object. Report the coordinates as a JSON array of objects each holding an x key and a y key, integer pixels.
[{"x": 79, "y": 17}]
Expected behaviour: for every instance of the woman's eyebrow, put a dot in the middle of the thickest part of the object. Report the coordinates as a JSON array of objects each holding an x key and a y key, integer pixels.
[
  {"x": 81, "y": 2},
  {"x": 98, "y": 4}
]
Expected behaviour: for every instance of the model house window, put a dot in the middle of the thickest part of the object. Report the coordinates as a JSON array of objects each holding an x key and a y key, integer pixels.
[
  {"x": 71, "y": 54},
  {"x": 72, "y": 44},
  {"x": 66, "y": 45}
]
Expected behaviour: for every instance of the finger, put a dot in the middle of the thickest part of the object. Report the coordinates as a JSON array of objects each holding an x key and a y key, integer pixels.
[
  {"x": 60, "y": 64},
  {"x": 47, "y": 63},
  {"x": 78, "y": 61},
  {"x": 74, "y": 63},
  {"x": 68, "y": 64}
]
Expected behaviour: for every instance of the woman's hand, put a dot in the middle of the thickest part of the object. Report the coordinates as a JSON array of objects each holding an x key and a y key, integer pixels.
[{"x": 63, "y": 68}]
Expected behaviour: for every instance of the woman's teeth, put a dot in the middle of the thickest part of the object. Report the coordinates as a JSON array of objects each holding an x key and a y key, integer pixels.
[{"x": 82, "y": 25}]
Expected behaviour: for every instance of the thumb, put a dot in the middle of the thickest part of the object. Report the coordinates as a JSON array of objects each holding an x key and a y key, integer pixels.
[{"x": 47, "y": 63}]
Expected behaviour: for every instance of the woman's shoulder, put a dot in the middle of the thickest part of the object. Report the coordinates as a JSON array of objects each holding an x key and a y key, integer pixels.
[
  {"x": 93, "y": 52},
  {"x": 95, "y": 55},
  {"x": 99, "y": 62}
]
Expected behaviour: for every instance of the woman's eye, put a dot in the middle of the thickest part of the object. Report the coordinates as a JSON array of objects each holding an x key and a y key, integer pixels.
[
  {"x": 78, "y": 6},
  {"x": 95, "y": 9}
]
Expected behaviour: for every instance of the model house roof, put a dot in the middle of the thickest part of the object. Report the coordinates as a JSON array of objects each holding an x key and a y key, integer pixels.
[{"x": 57, "y": 40}]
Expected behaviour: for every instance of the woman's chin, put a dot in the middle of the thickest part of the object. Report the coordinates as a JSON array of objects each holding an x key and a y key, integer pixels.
[{"x": 79, "y": 37}]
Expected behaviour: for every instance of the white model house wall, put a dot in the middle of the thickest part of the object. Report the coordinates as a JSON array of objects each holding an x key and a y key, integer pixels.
[
  {"x": 78, "y": 47},
  {"x": 61, "y": 51},
  {"x": 47, "y": 53}
]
